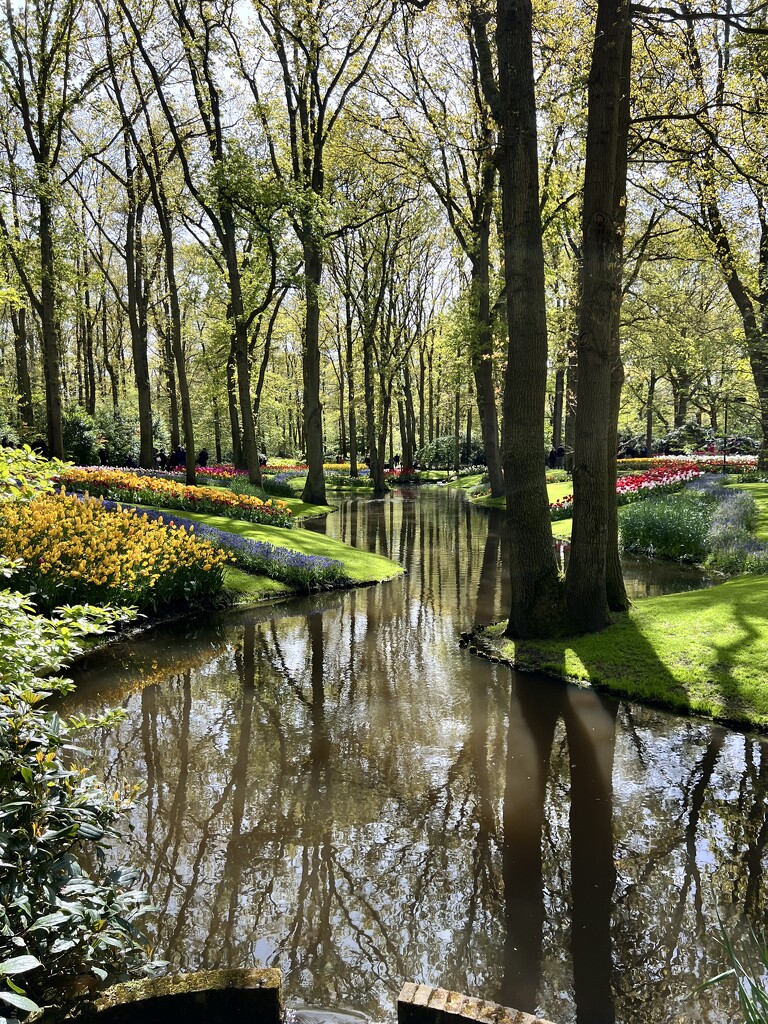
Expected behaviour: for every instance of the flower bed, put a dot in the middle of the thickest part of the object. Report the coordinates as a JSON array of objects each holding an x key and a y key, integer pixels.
[
  {"x": 707, "y": 462},
  {"x": 658, "y": 479},
  {"x": 404, "y": 476},
  {"x": 119, "y": 485},
  {"x": 312, "y": 572},
  {"x": 75, "y": 551}
]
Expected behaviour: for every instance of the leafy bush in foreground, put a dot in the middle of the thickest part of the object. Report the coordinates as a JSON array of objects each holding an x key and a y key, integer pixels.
[{"x": 65, "y": 927}]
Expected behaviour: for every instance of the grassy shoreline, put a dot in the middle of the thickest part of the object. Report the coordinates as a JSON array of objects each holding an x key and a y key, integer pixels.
[
  {"x": 361, "y": 567},
  {"x": 700, "y": 652}
]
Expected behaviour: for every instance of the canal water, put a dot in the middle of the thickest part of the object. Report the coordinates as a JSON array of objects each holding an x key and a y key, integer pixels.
[{"x": 334, "y": 787}]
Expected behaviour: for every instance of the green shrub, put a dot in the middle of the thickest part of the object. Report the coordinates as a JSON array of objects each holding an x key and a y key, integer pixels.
[
  {"x": 81, "y": 437},
  {"x": 668, "y": 525},
  {"x": 63, "y": 923}
]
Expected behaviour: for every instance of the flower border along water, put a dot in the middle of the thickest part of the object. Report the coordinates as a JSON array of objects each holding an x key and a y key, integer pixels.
[
  {"x": 658, "y": 479},
  {"x": 134, "y": 489},
  {"x": 310, "y": 572}
]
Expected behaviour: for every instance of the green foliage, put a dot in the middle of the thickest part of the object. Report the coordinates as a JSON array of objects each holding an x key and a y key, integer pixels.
[
  {"x": 81, "y": 437},
  {"x": 276, "y": 486},
  {"x": 442, "y": 452},
  {"x": 119, "y": 440},
  {"x": 733, "y": 548},
  {"x": 749, "y": 964},
  {"x": 668, "y": 525},
  {"x": 65, "y": 921},
  {"x": 25, "y": 474}
]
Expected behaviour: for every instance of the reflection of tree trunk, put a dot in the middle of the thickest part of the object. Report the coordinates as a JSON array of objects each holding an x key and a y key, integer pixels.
[
  {"x": 591, "y": 727},
  {"x": 231, "y": 874},
  {"x": 532, "y": 722},
  {"x": 489, "y": 573}
]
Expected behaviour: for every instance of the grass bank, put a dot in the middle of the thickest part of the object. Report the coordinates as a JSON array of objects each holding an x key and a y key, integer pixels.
[
  {"x": 702, "y": 652},
  {"x": 555, "y": 491},
  {"x": 760, "y": 493},
  {"x": 360, "y": 566}
]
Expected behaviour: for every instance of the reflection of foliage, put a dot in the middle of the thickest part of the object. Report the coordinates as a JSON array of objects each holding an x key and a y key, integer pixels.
[
  {"x": 340, "y": 791},
  {"x": 63, "y": 927}
]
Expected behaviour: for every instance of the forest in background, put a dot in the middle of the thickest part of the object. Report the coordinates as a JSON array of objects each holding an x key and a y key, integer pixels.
[
  {"x": 189, "y": 188},
  {"x": 314, "y": 226}
]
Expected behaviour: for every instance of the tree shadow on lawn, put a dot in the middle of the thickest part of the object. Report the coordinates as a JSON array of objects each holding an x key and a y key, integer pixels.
[{"x": 701, "y": 652}]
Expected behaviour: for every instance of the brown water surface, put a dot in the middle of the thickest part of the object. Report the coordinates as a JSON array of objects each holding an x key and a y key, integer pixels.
[{"x": 333, "y": 786}]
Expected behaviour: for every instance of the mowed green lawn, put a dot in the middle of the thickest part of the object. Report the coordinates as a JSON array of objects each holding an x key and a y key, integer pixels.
[
  {"x": 704, "y": 652},
  {"x": 360, "y": 566}
]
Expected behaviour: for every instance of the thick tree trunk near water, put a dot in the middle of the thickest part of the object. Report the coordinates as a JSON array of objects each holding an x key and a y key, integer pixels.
[
  {"x": 594, "y": 531},
  {"x": 536, "y": 607},
  {"x": 314, "y": 488}
]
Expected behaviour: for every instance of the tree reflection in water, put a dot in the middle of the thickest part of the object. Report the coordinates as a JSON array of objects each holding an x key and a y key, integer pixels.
[{"x": 333, "y": 786}]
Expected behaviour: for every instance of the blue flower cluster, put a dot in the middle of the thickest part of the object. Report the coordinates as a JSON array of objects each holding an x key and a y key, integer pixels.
[{"x": 309, "y": 571}]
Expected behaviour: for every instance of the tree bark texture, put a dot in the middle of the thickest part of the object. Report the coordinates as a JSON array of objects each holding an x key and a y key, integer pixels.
[
  {"x": 536, "y": 593},
  {"x": 49, "y": 328},
  {"x": 600, "y": 303},
  {"x": 314, "y": 488}
]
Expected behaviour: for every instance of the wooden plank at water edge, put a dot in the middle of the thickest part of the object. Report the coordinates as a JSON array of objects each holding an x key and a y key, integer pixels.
[{"x": 422, "y": 1004}]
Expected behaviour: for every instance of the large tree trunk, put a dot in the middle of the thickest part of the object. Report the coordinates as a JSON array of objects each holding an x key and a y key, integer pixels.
[
  {"x": 600, "y": 302},
  {"x": 314, "y": 488},
  {"x": 536, "y": 593}
]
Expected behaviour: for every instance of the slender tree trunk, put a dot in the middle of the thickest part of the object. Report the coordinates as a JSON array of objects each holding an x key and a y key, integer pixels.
[
  {"x": 349, "y": 361},
  {"x": 135, "y": 271},
  {"x": 481, "y": 350},
  {"x": 234, "y": 418},
  {"x": 170, "y": 381},
  {"x": 457, "y": 432},
  {"x": 217, "y": 431},
  {"x": 314, "y": 488},
  {"x": 536, "y": 594},
  {"x": 49, "y": 328},
  {"x": 111, "y": 372},
  {"x": 177, "y": 347},
  {"x": 90, "y": 368},
  {"x": 422, "y": 397},
  {"x": 557, "y": 409},
  {"x": 594, "y": 532},
  {"x": 23, "y": 382},
  {"x": 649, "y": 414},
  {"x": 571, "y": 386}
]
